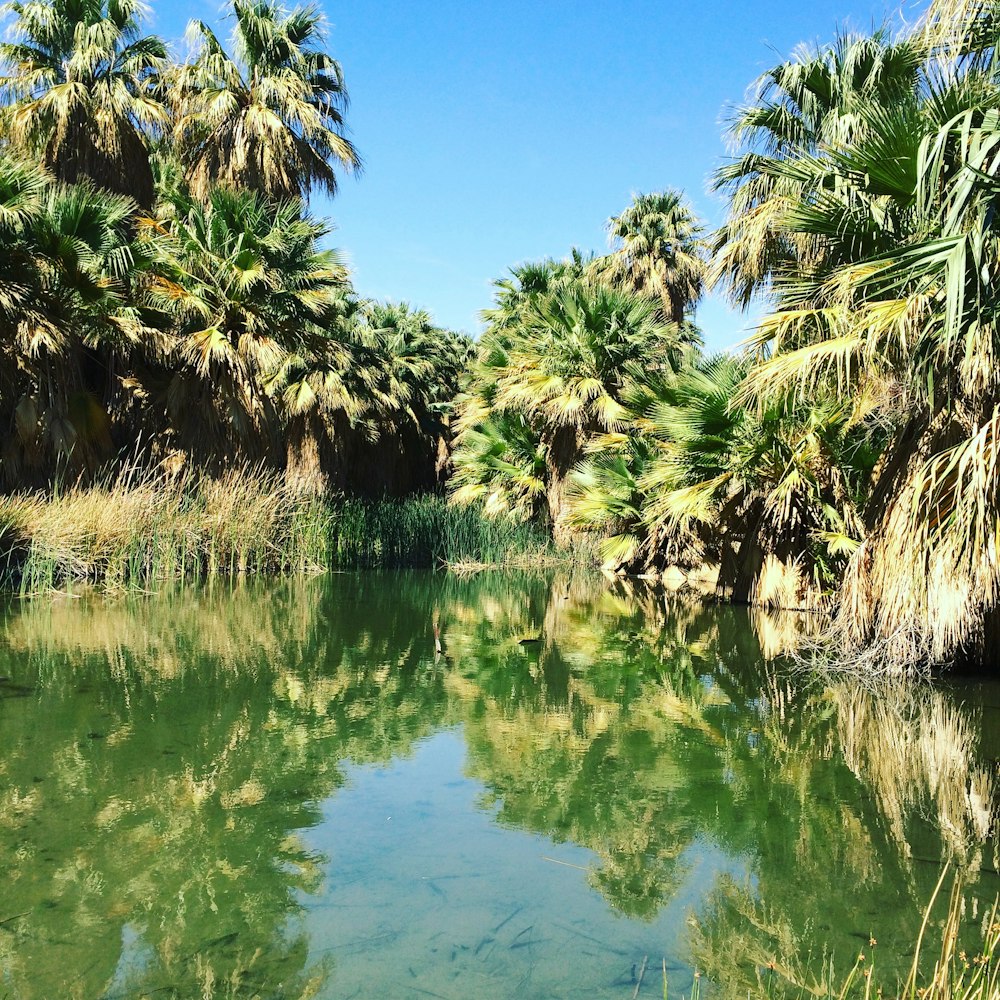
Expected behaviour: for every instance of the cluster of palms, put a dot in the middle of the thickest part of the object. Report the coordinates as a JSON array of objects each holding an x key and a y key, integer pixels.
[
  {"x": 853, "y": 446},
  {"x": 164, "y": 289},
  {"x": 591, "y": 406}
]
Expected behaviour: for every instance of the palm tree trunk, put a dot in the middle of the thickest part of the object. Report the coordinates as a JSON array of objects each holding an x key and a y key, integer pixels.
[
  {"x": 771, "y": 572},
  {"x": 742, "y": 560},
  {"x": 562, "y": 453},
  {"x": 303, "y": 466}
]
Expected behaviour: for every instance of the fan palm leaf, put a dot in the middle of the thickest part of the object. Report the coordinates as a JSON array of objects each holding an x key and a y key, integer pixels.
[
  {"x": 78, "y": 85},
  {"x": 270, "y": 116}
]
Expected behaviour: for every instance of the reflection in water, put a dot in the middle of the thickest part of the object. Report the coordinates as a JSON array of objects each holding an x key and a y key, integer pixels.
[{"x": 257, "y": 792}]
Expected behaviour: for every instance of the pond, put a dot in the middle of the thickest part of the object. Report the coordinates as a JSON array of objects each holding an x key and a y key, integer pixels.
[{"x": 417, "y": 784}]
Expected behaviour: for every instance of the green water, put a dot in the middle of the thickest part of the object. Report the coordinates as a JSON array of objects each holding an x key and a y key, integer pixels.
[{"x": 285, "y": 791}]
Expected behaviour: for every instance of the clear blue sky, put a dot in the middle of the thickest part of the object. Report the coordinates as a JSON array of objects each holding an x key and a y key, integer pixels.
[{"x": 495, "y": 132}]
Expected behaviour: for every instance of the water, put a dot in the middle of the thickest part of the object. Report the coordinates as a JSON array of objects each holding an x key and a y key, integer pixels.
[{"x": 284, "y": 791}]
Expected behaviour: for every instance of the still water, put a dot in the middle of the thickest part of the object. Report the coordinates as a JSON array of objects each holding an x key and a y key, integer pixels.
[{"x": 288, "y": 791}]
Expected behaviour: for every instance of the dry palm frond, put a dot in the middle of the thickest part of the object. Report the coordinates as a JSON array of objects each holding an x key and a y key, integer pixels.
[
  {"x": 268, "y": 118},
  {"x": 927, "y": 583}
]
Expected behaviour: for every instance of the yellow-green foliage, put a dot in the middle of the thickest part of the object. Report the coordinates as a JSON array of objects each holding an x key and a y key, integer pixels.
[{"x": 139, "y": 530}]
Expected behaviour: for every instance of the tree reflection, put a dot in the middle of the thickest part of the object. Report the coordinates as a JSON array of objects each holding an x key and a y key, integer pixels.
[
  {"x": 154, "y": 808},
  {"x": 672, "y": 728},
  {"x": 163, "y": 758}
]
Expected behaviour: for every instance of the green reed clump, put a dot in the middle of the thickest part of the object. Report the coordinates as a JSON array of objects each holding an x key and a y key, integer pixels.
[
  {"x": 140, "y": 529},
  {"x": 426, "y": 531}
]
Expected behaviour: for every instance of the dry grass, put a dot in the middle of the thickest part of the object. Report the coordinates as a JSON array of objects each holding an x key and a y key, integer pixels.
[{"x": 138, "y": 530}]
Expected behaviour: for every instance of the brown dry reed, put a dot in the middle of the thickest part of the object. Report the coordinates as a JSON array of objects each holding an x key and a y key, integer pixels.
[{"x": 139, "y": 530}]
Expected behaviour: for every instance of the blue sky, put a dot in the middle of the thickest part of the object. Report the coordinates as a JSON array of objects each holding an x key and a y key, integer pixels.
[{"x": 494, "y": 132}]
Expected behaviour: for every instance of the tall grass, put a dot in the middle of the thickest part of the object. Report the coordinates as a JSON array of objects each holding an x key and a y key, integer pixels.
[
  {"x": 139, "y": 530},
  {"x": 957, "y": 974},
  {"x": 426, "y": 531}
]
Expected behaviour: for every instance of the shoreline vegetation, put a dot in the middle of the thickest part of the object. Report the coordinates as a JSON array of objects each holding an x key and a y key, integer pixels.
[
  {"x": 960, "y": 971},
  {"x": 139, "y": 532}
]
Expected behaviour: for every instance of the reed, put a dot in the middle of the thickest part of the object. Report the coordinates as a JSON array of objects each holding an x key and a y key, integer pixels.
[
  {"x": 137, "y": 530},
  {"x": 957, "y": 974},
  {"x": 426, "y": 531},
  {"x": 959, "y": 971}
]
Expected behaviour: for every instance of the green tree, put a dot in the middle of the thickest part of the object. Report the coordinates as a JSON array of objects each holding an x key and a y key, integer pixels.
[
  {"x": 822, "y": 96},
  {"x": 67, "y": 257},
  {"x": 500, "y": 463},
  {"x": 243, "y": 284},
  {"x": 559, "y": 363},
  {"x": 902, "y": 307},
  {"x": 657, "y": 251},
  {"x": 773, "y": 493}
]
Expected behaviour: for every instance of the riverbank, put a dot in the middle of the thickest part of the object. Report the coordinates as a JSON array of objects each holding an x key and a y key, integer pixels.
[{"x": 140, "y": 531}]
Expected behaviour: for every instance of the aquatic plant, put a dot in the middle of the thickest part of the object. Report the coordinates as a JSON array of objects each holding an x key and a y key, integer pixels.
[
  {"x": 138, "y": 530},
  {"x": 427, "y": 531}
]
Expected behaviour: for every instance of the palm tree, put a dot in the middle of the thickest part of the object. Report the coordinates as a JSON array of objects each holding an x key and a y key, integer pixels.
[
  {"x": 904, "y": 307},
  {"x": 422, "y": 367},
  {"x": 561, "y": 365},
  {"x": 67, "y": 258},
  {"x": 657, "y": 252},
  {"x": 820, "y": 97},
  {"x": 426, "y": 359},
  {"x": 22, "y": 192},
  {"x": 366, "y": 399},
  {"x": 245, "y": 286},
  {"x": 780, "y": 486},
  {"x": 773, "y": 494},
  {"x": 270, "y": 117},
  {"x": 325, "y": 390},
  {"x": 517, "y": 296},
  {"x": 23, "y": 319},
  {"x": 606, "y": 498},
  {"x": 500, "y": 464},
  {"x": 78, "y": 86}
]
